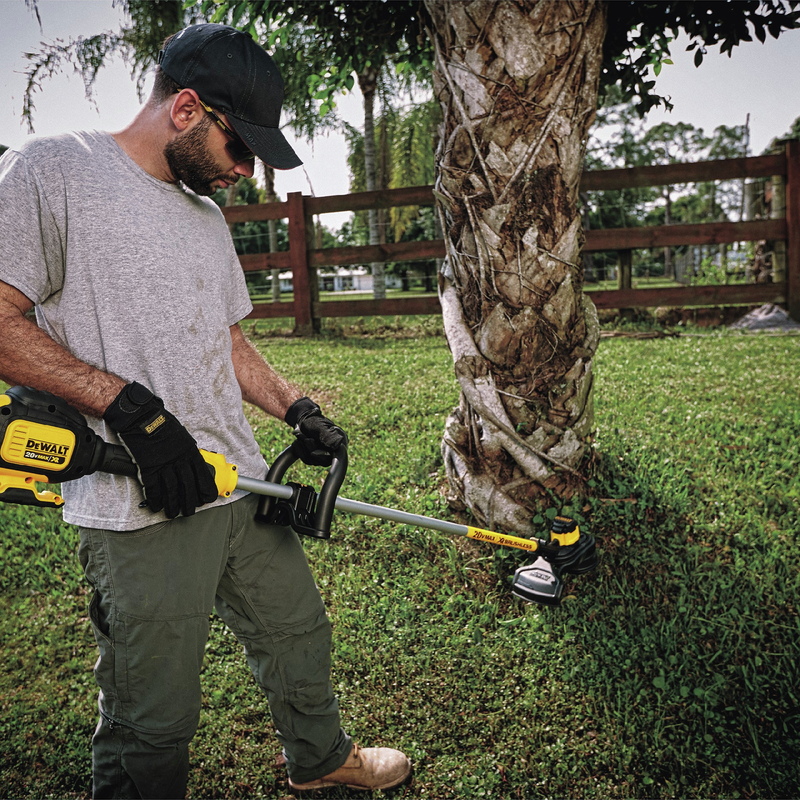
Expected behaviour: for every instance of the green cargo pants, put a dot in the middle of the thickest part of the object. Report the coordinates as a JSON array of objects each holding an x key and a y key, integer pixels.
[{"x": 154, "y": 590}]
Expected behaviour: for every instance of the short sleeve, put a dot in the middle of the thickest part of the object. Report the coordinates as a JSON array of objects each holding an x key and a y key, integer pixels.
[{"x": 31, "y": 244}]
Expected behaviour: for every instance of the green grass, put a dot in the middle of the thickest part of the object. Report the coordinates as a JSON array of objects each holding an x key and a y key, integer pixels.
[{"x": 671, "y": 671}]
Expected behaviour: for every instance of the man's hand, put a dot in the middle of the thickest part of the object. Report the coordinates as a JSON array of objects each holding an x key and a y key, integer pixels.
[
  {"x": 171, "y": 470},
  {"x": 318, "y": 437}
]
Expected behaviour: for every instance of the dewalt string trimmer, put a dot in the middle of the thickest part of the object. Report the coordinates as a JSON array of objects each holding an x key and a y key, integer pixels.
[{"x": 45, "y": 440}]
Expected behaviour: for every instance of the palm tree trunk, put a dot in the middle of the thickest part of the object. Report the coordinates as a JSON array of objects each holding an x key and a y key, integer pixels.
[
  {"x": 518, "y": 86},
  {"x": 368, "y": 81}
]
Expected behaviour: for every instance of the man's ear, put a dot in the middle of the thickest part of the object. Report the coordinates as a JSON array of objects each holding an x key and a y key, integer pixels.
[{"x": 186, "y": 109}]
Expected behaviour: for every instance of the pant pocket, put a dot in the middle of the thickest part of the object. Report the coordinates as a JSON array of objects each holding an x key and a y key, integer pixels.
[
  {"x": 164, "y": 658},
  {"x": 109, "y": 670}
]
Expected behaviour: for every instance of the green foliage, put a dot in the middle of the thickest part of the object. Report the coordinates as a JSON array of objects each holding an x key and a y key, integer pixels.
[
  {"x": 300, "y": 60},
  {"x": 639, "y": 36},
  {"x": 620, "y": 139},
  {"x": 405, "y": 142},
  {"x": 253, "y": 236},
  {"x": 794, "y": 131},
  {"x": 138, "y": 42},
  {"x": 413, "y": 144},
  {"x": 669, "y": 142},
  {"x": 672, "y": 671},
  {"x": 337, "y": 39}
]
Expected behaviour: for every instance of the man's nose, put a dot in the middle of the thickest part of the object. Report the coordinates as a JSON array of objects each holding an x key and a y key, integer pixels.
[{"x": 245, "y": 168}]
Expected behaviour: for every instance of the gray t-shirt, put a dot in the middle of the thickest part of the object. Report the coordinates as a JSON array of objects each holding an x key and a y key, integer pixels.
[{"x": 134, "y": 276}]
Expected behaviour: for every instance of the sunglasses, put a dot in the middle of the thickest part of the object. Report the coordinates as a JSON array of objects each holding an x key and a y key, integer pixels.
[{"x": 236, "y": 148}]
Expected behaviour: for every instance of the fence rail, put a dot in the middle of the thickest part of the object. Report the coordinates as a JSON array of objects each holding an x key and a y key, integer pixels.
[{"x": 304, "y": 260}]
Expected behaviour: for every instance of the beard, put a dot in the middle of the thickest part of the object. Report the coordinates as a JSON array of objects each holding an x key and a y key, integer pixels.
[{"x": 191, "y": 162}]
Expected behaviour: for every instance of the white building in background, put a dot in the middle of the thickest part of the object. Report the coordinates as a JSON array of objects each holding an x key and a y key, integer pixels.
[{"x": 355, "y": 279}]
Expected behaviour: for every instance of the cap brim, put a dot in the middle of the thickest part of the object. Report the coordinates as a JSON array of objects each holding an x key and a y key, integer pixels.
[{"x": 269, "y": 144}]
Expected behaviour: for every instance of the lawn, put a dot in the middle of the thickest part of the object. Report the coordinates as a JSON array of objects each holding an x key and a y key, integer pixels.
[{"x": 671, "y": 671}]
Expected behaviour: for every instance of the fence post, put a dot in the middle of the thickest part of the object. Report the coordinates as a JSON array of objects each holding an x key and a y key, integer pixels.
[
  {"x": 304, "y": 322},
  {"x": 777, "y": 211},
  {"x": 793, "y": 229},
  {"x": 625, "y": 269},
  {"x": 624, "y": 276}
]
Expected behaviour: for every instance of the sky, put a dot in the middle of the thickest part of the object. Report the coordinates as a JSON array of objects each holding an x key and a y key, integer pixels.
[{"x": 760, "y": 80}]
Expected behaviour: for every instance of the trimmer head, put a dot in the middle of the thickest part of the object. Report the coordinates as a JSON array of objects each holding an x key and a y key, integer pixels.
[
  {"x": 574, "y": 559},
  {"x": 538, "y": 583},
  {"x": 569, "y": 551}
]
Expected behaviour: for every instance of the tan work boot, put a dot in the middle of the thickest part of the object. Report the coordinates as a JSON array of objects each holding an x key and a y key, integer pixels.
[{"x": 368, "y": 768}]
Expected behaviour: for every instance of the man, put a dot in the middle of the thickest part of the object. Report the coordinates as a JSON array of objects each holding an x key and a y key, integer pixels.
[{"x": 138, "y": 294}]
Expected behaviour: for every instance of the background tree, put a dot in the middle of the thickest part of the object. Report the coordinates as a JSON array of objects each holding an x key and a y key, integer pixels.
[
  {"x": 619, "y": 138},
  {"x": 669, "y": 143},
  {"x": 253, "y": 236},
  {"x": 794, "y": 130},
  {"x": 406, "y": 139},
  {"x": 726, "y": 199},
  {"x": 138, "y": 41},
  {"x": 616, "y": 141},
  {"x": 272, "y": 197}
]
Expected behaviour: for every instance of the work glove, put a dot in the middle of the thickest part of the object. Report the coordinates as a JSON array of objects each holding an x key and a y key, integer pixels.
[
  {"x": 172, "y": 472},
  {"x": 317, "y": 437}
]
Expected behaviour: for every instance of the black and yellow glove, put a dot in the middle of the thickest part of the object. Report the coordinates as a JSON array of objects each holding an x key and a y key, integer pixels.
[
  {"x": 317, "y": 436},
  {"x": 172, "y": 472}
]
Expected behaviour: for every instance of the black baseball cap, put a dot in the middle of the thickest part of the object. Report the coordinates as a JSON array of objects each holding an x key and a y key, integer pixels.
[{"x": 233, "y": 74}]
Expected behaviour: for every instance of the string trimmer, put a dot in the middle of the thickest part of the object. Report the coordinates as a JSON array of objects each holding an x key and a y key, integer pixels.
[{"x": 43, "y": 439}]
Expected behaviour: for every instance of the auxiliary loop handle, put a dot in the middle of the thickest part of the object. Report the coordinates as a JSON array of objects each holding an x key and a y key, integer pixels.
[{"x": 308, "y": 513}]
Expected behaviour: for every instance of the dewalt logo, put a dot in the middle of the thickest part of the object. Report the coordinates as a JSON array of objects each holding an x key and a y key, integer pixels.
[
  {"x": 155, "y": 424},
  {"x": 47, "y": 452}
]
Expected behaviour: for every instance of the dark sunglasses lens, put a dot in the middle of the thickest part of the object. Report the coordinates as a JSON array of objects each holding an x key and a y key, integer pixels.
[{"x": 239, "y": 151}]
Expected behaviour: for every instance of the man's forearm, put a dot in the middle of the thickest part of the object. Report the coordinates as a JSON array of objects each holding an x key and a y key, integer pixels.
[
  {"x": 29, "y": 357},
  {"x": 260, "y": 384}
]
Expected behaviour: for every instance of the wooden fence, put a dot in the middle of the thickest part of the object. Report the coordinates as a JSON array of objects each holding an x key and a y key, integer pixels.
[{"x": 304, "y": 260}]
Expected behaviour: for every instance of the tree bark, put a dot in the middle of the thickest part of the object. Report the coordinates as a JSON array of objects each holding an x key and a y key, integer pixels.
[
  {"x": 517, "y": 81},
  {"x": 367, "y": 82}
]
